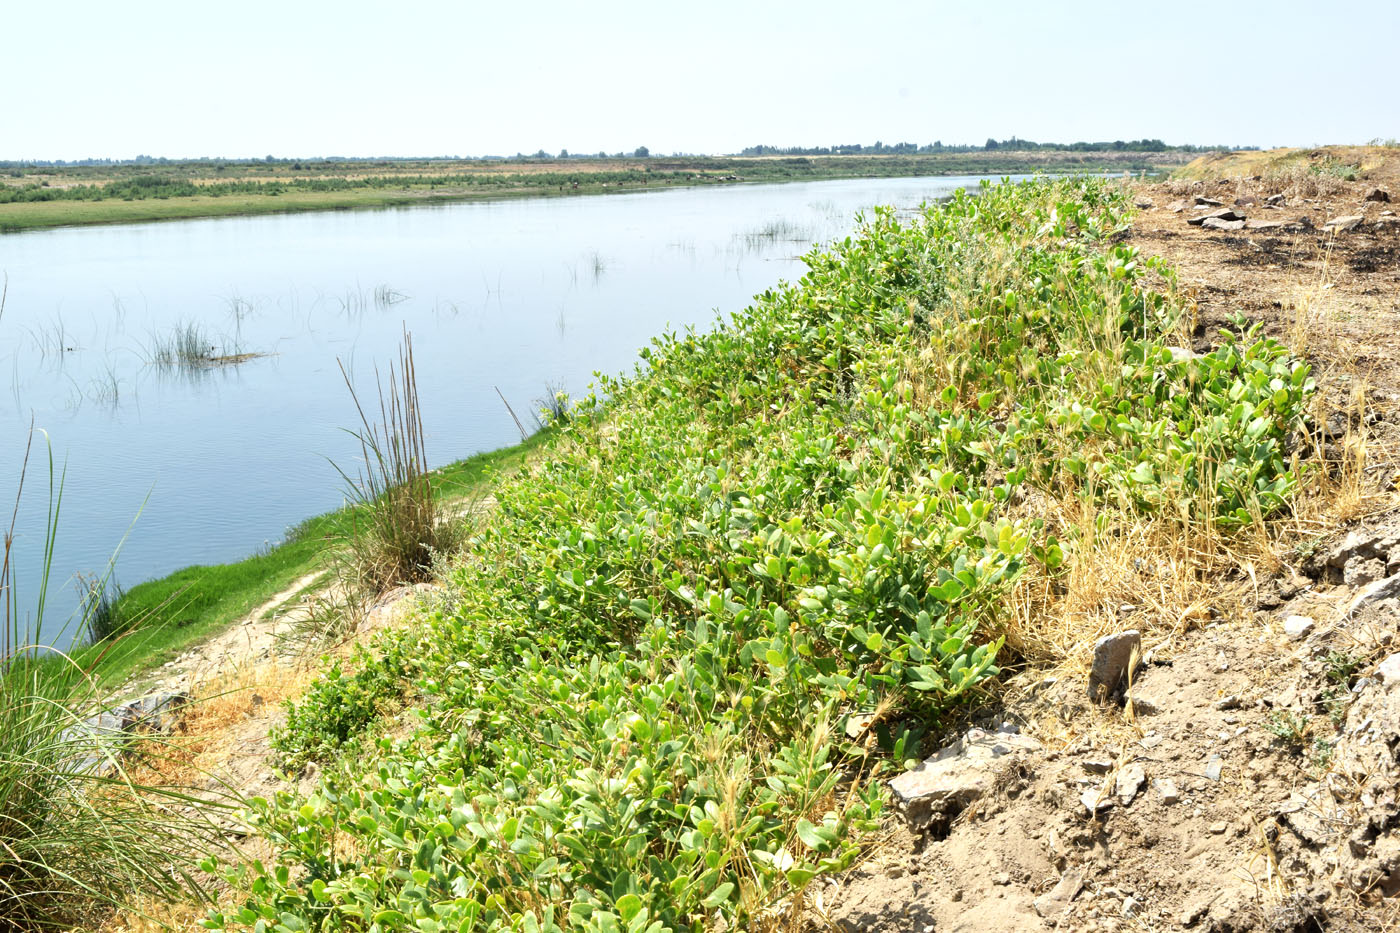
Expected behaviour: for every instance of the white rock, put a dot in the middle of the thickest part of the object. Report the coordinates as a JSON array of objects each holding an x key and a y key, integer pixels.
[
  {"x": 1297, "y": 626},
  {"x": 945, "y": 784}
]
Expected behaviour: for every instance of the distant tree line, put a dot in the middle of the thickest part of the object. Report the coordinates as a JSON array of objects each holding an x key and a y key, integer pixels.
[
  {"x": 1008, "y": 145},
  {"x": 641, "y": 152}
]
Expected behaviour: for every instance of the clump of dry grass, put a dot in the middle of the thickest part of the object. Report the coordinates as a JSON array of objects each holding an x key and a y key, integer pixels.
[{"x": 1299, "y": 179}]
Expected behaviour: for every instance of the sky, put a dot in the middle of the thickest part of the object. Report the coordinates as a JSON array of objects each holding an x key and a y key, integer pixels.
[{"x": 298, "y": 79}]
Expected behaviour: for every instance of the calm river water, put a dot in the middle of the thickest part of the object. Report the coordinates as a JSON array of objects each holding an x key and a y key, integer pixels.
[{"x": 208, "y": 465}]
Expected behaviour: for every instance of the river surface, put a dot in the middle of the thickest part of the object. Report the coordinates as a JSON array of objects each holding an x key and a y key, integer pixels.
[{"x": 194, "y": 465}]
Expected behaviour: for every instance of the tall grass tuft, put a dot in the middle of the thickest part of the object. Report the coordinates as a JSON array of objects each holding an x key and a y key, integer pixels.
[
  {"x": 77, "y": 833},
  {"x": 396, "y": 529},
  {"x": 186, "y": 345},
  {"x": 100, "y": 599}
]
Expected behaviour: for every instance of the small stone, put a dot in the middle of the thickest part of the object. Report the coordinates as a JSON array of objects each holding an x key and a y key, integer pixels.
[
  {"x": 945, "y": 784},
  {"x": 1097, "y": 765},
  {"x": 1131, "y": 906},
  {"x": 1053, "y": 905},
  {"x": 1265, "y": 224},
  {"x": 1389, "y": 671},
  {"x": 1229, "y": 702},
  {"x": 1142, "y": 204},
  {"x": 1274, "y": 199},
  {"x": 1218, "y": 828},
  {"x": 1094, "y": 801},
  {"x": 1215, "y": 223},
  {"x": 1128, "y": 783},
  {"x": 1378, "y": 194},
  {"x": 1150, "y": 741},
  {"x": 1145, "y": 706},
  {"x": 1168, "y": 789},
  {"x": 1343, "y": 224},
  {"x": 1225, "y": 214},
  {"x": 1204, "y": 201},
  {"x": 1113, "y": 656},
  {"x": 1002, "y": 879},
  {"x": 1360, "y": 571},
  {"x": 1297, "y": 626},
  {"x": 1196, "y": 910},
  {"x": 1213, "y": 767}
]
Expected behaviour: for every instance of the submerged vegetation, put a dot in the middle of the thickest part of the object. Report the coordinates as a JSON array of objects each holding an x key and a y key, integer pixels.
[
  {"x": 739, "y": 586},
  {"x": 188, "y": 346}
]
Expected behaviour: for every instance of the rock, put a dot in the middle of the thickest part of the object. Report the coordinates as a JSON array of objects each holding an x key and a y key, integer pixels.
[
  {"x": 1052, "y": 906},
  {"x": 1197, "y": 909},
  {"x": 1113, "y": 656},
  {"x": 1230, "y": 702},
  {"x": 944, "y": 785},
  {"x": 1213, "y": 767},
  {"x": 1372, "y": 593},
  {"x": 1388, "y": 672},
  {"x": 1204, "y": 201},
  {"x": 1343, "y": 224},
  {"x": 1225, "y": 213},
  {"x": 1215, "y": 223},
  {"x": 1265, "y": 224},
  {"x": 1360, "y": 571},
  {"x": 1143, "y": 204},
  {"x": 1363, "y": 543},
  {"x": 1145, "y": 706},
  {"x": 1218, "y": 828},
  {"x": 1129, "y": 782},
  {"x": 1274, "y": 199},
  {"x": 1378, "y": 194},
  {"x": 1095, "y": 800},
  {"x": 1168, "y": 789},
  {"x": 1176, "y": 207},
  {"x": 1131, "y": 906},
  {"x": 1296, "y": 627},
  {"x": 1097, "y": 765},
  {"x": 158, "y": 712}
]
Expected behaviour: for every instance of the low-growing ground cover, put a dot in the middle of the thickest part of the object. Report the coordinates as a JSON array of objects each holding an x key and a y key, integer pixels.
[{"x": 743, "y": 583}]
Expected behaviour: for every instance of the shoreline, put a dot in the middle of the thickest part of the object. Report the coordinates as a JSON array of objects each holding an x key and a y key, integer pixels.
[
  {"x": 176, "y": 612},
  {"x": 24, "y": 216}
]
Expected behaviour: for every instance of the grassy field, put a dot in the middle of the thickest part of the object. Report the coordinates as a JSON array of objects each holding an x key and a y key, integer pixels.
[
  {"x": 32, "y": 198},
  {"x": 174, "y": 612}
]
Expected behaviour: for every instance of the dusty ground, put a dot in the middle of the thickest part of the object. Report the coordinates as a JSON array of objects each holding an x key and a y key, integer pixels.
[{"x": 1255, "y": 787}]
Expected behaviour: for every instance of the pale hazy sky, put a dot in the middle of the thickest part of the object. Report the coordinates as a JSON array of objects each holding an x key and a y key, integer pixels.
[{"x": 438, "y": 77}]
